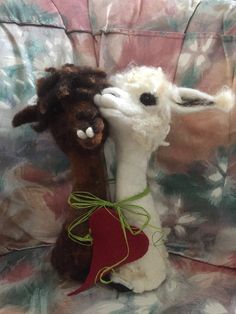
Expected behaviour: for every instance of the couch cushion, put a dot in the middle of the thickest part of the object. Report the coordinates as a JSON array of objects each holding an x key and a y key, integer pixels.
[
  {"x": 193, "y": 179},
  {"x": 29, "y": 285},
  {"x": 34, "y": 182}
]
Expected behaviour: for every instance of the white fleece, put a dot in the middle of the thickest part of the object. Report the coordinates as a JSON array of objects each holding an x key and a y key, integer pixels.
[{"x": 138, "y": 130}]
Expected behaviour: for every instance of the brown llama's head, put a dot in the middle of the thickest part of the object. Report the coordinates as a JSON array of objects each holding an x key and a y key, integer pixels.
[{"x": 65, "y": 106}]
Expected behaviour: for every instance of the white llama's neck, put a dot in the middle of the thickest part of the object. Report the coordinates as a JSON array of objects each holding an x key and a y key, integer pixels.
[
  {"x": 132, "y": 162},
  {"x": 131, "y": 170}
]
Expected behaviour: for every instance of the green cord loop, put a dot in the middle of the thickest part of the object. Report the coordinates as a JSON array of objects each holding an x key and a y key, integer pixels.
[{"x": 88, "y": 201}]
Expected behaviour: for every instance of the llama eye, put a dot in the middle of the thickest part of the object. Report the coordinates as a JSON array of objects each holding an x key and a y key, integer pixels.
[{"x": 148, "y": 99}]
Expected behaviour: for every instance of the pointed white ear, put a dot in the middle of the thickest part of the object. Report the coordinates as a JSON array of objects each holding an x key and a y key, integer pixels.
[
  {"x": 190, "y": 93},
  {"x": 192, "y": 100}
]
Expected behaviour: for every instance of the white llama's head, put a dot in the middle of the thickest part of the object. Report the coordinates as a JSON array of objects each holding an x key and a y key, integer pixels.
[{"x": 139, "y": 105}]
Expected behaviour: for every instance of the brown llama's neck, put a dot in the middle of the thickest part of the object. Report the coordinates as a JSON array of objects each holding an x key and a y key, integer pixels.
[{"x": 89, "y": 172}]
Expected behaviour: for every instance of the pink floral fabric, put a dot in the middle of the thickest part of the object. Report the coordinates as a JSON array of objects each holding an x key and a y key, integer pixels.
[{"x": 193, "y": 180}]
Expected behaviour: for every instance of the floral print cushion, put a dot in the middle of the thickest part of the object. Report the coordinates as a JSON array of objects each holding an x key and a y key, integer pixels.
[
  {"x": 34, "y": 178},
  {"x": 68, "y": 15},
  {"x": 192, "y": 174},
  {"x": 196, "y": 177},
  {"x": 193, "y": 60},
  {"x": 30, "y": 286},
  {"x": 192, "y": 180}
]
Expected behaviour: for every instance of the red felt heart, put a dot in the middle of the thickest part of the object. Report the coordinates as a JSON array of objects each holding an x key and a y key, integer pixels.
[{"x": 109, "y": 246}]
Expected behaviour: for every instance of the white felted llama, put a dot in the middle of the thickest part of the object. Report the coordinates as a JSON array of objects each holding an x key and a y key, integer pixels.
[{"x": 138, "y": 109}]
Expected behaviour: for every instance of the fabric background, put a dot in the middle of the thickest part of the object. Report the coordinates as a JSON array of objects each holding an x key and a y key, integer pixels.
[{"x": 193, "y": 181}]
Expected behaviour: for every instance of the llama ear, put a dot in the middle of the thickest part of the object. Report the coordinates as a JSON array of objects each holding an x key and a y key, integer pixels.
[
  {"x": 187, "y": 100},
  {"x": 27, "y": 115},
  {"x": 51, "y": 70}
]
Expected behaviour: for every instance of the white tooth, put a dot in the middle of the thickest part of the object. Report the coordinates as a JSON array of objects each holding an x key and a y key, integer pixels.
[
  {"x": 90, "y": 132},
  {"x": 81, "y": 135}
]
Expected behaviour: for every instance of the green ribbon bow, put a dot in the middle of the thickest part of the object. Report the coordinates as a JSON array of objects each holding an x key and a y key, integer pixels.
[
  {"x": 88, "y": 201},
  {"x": 85, "y": 200}
]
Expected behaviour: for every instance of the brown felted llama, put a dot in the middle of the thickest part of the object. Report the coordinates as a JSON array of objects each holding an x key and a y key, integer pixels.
[{"x": 65, "y": 107}]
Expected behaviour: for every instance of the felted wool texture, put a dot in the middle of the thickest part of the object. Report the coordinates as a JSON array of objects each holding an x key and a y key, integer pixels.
[{"x": 138, "y": 130}]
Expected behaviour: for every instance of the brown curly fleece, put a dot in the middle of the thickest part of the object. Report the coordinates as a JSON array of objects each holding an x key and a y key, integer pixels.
[{"x": 65, "y": 105}]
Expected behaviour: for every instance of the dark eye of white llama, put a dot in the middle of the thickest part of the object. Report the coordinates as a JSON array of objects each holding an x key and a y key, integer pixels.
[{"x": 148, "y": 99}]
